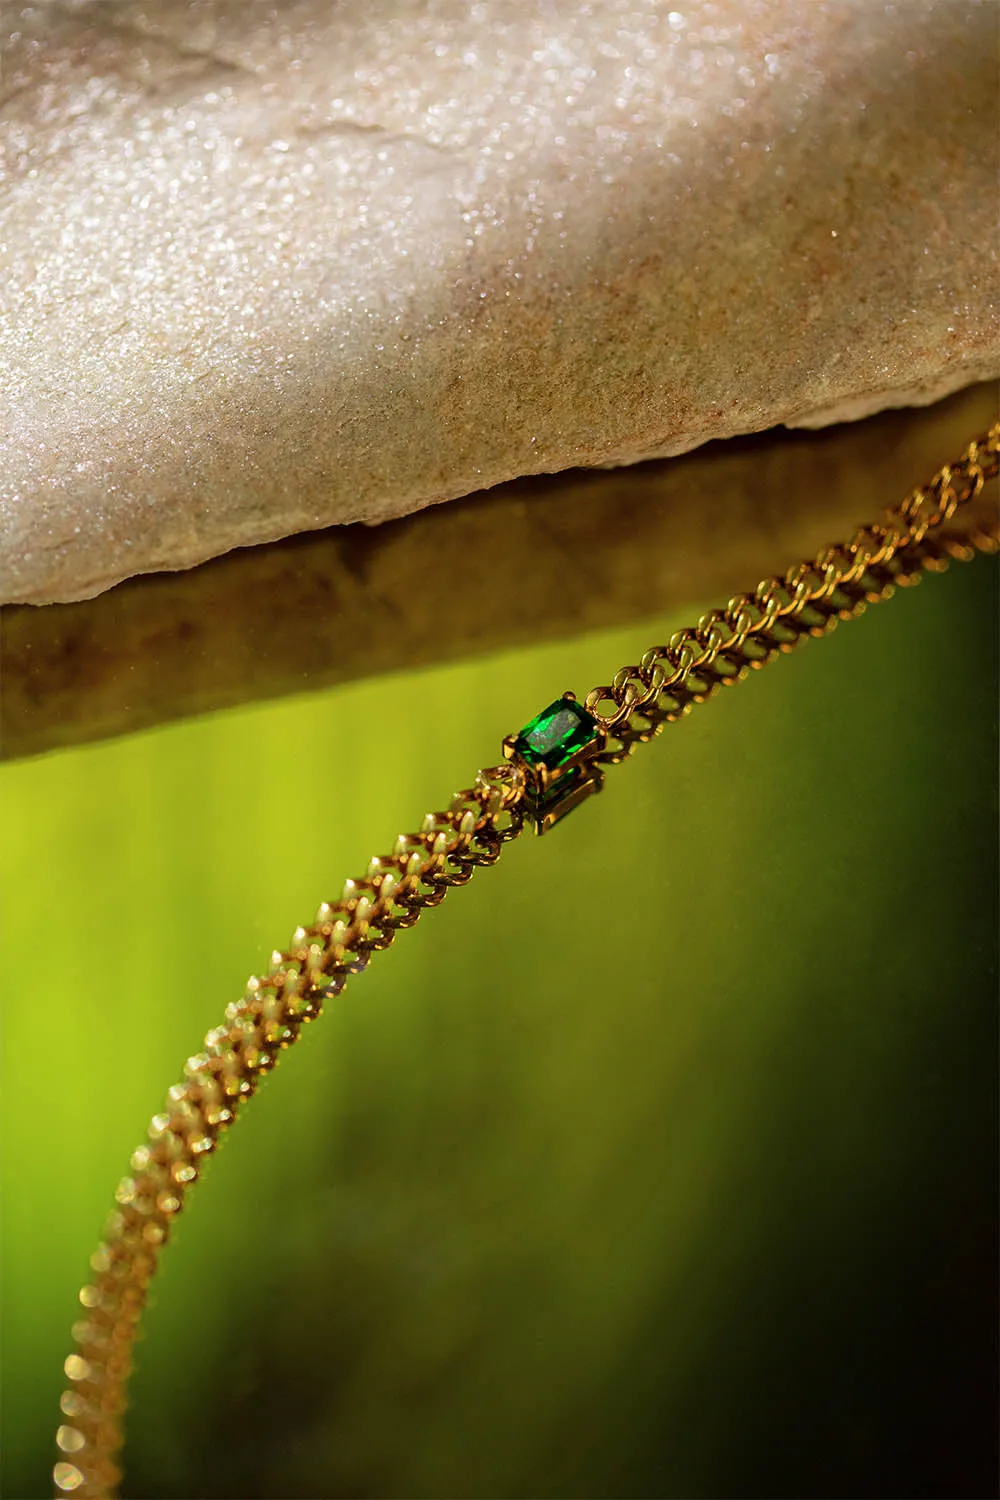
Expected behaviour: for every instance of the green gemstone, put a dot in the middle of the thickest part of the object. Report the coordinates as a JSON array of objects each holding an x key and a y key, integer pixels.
[{"x": 554, "y": 736}]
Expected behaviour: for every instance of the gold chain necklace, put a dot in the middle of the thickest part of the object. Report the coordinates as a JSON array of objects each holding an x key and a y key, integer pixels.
[{"x": 556, "y": 761}]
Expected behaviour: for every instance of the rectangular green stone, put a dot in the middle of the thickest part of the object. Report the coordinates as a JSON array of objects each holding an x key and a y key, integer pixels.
[{"x": 554, "y": 736}]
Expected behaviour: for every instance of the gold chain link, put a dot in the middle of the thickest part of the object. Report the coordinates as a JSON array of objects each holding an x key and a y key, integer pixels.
[
  {"x": 725, "y": 644},
  {"x": 810, "y": 599}
]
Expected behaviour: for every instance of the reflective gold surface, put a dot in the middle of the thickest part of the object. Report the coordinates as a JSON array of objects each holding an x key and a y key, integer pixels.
[{"x": 661, "y": 1162}]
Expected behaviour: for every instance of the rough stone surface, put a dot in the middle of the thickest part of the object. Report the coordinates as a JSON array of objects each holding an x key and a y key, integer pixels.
[
  {"x": 551, "y": 557},
  {"x": 264, "y": 268}
]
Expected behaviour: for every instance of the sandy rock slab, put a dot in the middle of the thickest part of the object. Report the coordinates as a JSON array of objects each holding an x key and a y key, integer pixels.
[
  {"x": 553, "y": 556},
  {"x": 266, "y": 268}
]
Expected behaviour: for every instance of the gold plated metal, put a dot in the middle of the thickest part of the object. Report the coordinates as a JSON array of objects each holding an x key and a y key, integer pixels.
[
  {"x": 751, "y": 630},
  {"x": 808, "y": 600}
]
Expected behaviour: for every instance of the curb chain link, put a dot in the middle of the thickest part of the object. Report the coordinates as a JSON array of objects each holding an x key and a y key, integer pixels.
[
  {"x": 811, "y": 597},
  {"x": 422, "y": 867},
  {"x": 393, "y": 892}
]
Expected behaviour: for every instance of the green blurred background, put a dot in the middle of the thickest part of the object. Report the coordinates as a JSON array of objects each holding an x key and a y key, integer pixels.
[{"x": 661, "y": 1162}]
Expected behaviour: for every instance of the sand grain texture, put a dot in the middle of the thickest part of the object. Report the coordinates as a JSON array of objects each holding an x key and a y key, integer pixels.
[{"x": 264, "y": 269}]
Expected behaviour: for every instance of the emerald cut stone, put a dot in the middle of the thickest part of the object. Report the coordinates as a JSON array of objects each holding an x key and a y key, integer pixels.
[{"x": 554, "y": 736}]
